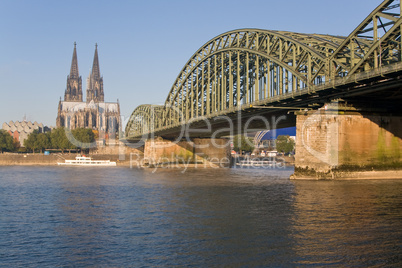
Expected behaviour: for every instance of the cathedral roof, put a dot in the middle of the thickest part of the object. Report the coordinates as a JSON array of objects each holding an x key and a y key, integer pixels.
[{"x": 72, "y": 106}]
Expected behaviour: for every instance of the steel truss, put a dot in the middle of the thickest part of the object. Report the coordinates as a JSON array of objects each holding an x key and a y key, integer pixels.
[{"x": 252, "y": 67}]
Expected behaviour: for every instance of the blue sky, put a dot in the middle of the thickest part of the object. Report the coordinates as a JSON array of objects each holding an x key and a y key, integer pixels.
[{"x": 142, "y": 45}]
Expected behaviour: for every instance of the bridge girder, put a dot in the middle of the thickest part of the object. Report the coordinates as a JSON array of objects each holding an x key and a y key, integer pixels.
[
  {"x": 246, "y": 67},
  {"x": 381, "y": 33}
]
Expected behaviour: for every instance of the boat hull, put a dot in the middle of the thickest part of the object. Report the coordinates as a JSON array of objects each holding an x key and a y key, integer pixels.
[
  {"x": 111, "y": 164},
  {"x": 87, "y": 162}
]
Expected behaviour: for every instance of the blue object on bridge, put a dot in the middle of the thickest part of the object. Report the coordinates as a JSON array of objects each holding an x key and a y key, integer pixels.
[{"x": 47, "y": 153}]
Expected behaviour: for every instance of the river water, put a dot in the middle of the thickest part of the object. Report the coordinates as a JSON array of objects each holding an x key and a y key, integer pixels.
[{"x": 122, "y": 217}]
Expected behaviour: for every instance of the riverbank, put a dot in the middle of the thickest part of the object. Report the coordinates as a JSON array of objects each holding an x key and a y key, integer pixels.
[
  {"x": 347, "y": 175},
  {"x": 9, "y": 159},
  {"x": 38, "y": 159},
  {"x": 133, "y": 161},
  {"x": 28, "y": 160}
]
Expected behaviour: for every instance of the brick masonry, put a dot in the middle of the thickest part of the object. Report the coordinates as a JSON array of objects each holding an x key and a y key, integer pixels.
[
  {"x": 329, "y": 143},
  {"x": 208, "y": 152}
]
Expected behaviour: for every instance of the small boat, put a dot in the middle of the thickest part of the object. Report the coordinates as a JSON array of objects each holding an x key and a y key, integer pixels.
[
  {"x": 86, "y": 161},
  {"x": 256, "y": 163}
]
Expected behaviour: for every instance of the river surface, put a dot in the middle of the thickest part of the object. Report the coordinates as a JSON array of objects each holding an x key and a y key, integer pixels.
[{"x": 122, "y": 217}]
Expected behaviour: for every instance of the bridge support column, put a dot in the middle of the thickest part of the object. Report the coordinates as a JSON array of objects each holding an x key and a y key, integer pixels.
[
  {"x": 334, "y": 143},
  {"x": 198, "y": 153}
]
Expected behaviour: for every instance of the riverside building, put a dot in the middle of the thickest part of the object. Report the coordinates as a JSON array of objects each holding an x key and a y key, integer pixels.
[{"x": 20, "y": 130}]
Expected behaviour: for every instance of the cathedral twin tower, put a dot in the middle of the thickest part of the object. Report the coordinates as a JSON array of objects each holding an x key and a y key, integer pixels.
[
  {"x": 94, "y": 113},
  {"x": 94, "y": 81}
]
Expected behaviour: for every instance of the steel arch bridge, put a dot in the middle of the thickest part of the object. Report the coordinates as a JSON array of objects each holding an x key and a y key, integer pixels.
[{"x": 247, "y": 68}]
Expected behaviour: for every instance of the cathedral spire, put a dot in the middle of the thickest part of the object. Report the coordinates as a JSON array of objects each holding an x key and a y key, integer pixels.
[
  {"x": 74, "y": 64},
  {"x": 95, "y": 81},
  {"x": 95, "y": 65},
  {"x": 74, "y": 82}
]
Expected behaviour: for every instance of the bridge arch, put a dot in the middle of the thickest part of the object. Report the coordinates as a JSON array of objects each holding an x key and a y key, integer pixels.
[
  {"x": 251, "y": 67},
  {"x": 144, "y": 119},
  {"x": 247, "y": 66}
]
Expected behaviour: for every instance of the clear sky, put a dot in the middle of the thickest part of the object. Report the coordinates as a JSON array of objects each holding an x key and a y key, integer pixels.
[{"x": 142, "y": 45}]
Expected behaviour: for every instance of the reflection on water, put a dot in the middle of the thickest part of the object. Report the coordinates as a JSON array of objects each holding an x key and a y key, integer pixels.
[
  {"x": 353, "y": 222},
  {"x": 52, "y": 216}
]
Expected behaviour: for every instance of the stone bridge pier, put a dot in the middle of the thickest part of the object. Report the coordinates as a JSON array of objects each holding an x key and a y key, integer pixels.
[
  {"x": 199, "y": 153},
  {"x": 342, "y": 142}
]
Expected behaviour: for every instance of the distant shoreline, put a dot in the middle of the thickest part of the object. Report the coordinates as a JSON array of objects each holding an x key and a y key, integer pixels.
[
  {"x": 39, "y": 159},
  {"x": 10, "y": 159}
]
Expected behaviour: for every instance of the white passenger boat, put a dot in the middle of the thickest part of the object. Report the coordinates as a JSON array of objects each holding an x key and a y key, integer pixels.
[{"x": 86, "y": 161}]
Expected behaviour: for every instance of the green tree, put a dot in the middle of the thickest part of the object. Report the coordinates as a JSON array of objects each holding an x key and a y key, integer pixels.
[
  {"x": 30, "y": 142},
  {"x": 42, "y": 141},
  {"x": 64, "y": 139},
  {"x": 242, "y": 143},
  {"x": 16, "y": 144},
  {"x": 6, "y": 141},
  {"x": 58, "y": 139},
  {"x": 285, "y": 144},
  {"x": 84, "y": 136}
]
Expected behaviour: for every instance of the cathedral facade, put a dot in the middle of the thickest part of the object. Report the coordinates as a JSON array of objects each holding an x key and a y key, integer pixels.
[{"x": 94, "y": 113}]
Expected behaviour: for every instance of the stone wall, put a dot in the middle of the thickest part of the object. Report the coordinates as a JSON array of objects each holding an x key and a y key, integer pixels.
[
  {"x": 316, "y": 141},
  {"x": 209, "y": 152},
  {"x": 118, "y": 148},
  {"x": 28, "y": 159},
  {"x": 370, "y": 140},
  {"x": 9, "y": 159},
  {"x": 215, "y": 151},
  {"x": 334, "y": 142}
]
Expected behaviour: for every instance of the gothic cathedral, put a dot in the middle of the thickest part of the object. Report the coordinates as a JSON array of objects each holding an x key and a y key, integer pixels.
[{"x": 95, "y": 113}]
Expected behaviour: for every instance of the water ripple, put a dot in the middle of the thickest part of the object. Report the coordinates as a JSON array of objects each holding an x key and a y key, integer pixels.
[{"x": 122, "y": 217}]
